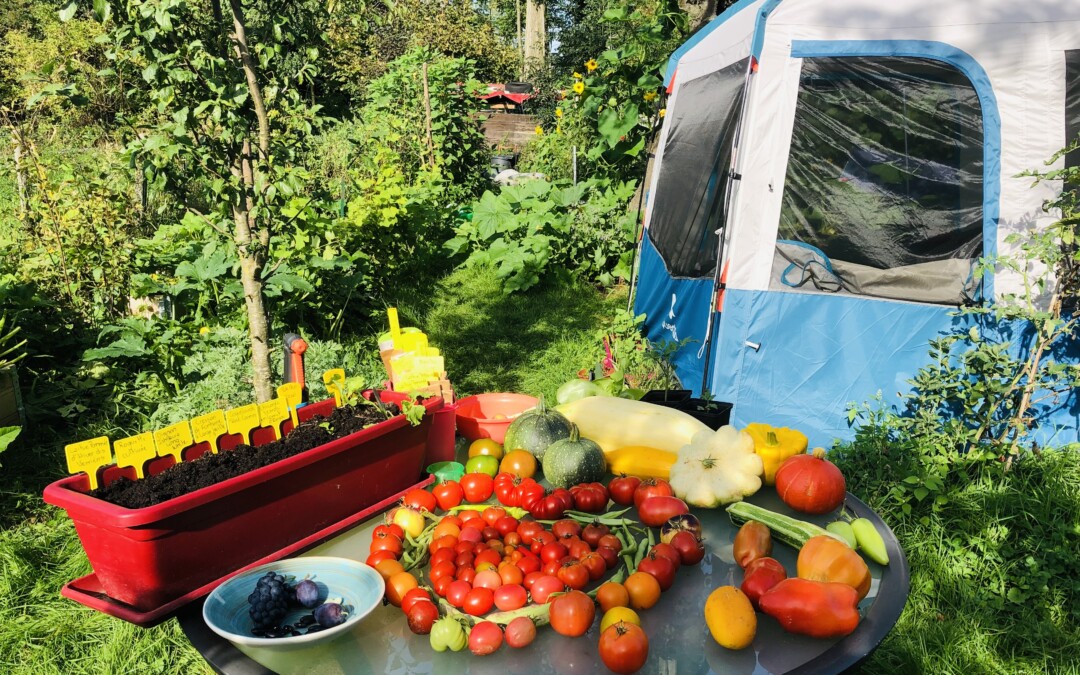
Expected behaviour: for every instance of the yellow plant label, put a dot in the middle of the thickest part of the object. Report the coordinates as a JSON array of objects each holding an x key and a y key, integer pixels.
[
  {"x": 209, "y": 427},
  {"x": 89, "y": 456},
  {"x": 173, "y": 440},
  {"x": 335, "y": 384},
  {"x": 293, "y": 395},
  {"x": 242, "y": 420},
  {"x": 135, "y": 451},
  {"x": 272, "y": 413}
]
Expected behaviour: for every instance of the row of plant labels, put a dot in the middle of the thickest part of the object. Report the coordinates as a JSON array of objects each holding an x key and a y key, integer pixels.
[{"x": 92, "y": 455}]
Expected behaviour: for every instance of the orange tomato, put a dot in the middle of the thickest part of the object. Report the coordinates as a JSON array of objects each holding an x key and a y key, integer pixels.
[
  {"x": 520, "y": 463},
  {"x": 643, "y": 590},
  {"x": 388, "y": 568},
  {"x": 485, "y": 446},
  {"x": 451, "y": 529},
  {"x": 612, "y": 594},
  {"x": 398, "y": 585},
  {"x": 823, "y": 558}
]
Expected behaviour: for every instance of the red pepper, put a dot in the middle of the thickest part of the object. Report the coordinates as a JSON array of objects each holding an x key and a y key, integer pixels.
[
  {"x": 819, "y": 609},
  {"x": 760, "y": 576}
]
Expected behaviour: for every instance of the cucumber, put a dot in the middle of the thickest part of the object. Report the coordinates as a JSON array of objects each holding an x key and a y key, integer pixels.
[
  {"x": 843, "y": 528},
  {"x": 870, "y": 541},
  {"x": 789, "y": 530}
]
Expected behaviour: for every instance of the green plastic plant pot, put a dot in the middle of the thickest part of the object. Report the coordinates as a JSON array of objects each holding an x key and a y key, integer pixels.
[{"x": 444, "y": 471}]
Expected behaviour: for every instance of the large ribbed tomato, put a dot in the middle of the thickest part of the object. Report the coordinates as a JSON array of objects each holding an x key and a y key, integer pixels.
[{"x": 810, "y": 483}]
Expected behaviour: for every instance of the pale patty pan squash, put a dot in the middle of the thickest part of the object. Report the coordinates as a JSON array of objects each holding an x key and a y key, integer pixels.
[{"x": 717, "y": 467}]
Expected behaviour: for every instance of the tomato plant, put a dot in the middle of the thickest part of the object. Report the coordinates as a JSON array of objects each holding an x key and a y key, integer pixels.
[
  {"x": 624, "y": 647},
  {"x": 572, "y": 613}
]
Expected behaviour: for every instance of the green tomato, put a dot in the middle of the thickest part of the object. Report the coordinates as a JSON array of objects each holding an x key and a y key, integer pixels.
[
  {"x": 447, "y": 633},
  {"x": 482, "y": 464}
]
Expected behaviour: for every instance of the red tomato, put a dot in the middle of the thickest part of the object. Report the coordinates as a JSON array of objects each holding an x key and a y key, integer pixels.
[
  {"x": 485, "y": 638},
  {"x": 490, "y": 533},
  {"x": 651, "y": 487},
  {"x": 477, "y": 487},
  {"x": 595, "y": 564},
  {"x": 566, "y": 528},
  {"x": 445, "y": 542},
  {"x": 386, "y": 542},
  {"x": 530, "y": 579},
  {"x": 529, "y": 564},
  {"x": 528, "y": 530},
  {"x": 660, "y": 568},
  {"x": 622, "y": 487},
  {"x": 668, "y": 551},
  {"x": 541, "y": 539},
  {"x": 552, "y": 551},
  {"x": 412, "y": 597},
  {"x": 760, "y": 576},
  {"x": 594, "y": 532},
  {"x": 574, "y": 574},
  {"x": 448, "y": 494},
  {"x": 512, "y": 539},
  {"x": 520, "y": 632},
  {"x": 465, "y": 559},
  {"x": 419, "y": 499},
  {"x": 490, "y": 556},
  {"x": 544, "y": 586},
  {"x": 655, "y": 511},
  {"x": 478, "y": 601},
  {"x": 389, "y": 528},
  {"x": 552, "y": 568},
  {"x": 572, "y": 613},
  {"x": 577, "y": 549},
  {"x": 467, "y": 516},
  {"x": 466, "y": 574},
  {"x": 442, "y": 555},
  {"x": 378, "y": 556},
  {"x": 492, "y": 514},
  {"x": 609, "y": 541},
  {"x": 691, "y": 549},
  {"x": 442, "y": 569},
  {"x": 488, "y": 579},
  {"x": 624, "y": 647},
  {"x": 528, "y": 492},
  {"x": 441, "y": 585},
  {"x": 456, "y": 592},
  {"x": 610, "y": 556},
  {"x": 506, "y": 489},
  {"x": 471, "y": 534},
  {"x": 509, "y": 597},
  {"x": 421, "y": 616},
  {"x": 590, "y": 497}
]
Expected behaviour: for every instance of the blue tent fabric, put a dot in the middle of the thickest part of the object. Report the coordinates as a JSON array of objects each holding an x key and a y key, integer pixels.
[{"x": 678, "y": 309}]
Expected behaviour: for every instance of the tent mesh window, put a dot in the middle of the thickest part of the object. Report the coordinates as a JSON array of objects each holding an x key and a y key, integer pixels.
[
  {"x": 1072, "y": 105},
  {"x": 694, "y": 171},
  {"x": 884, "y": 188}
]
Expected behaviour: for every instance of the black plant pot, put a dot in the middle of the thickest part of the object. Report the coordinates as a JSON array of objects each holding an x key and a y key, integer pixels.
[
  {"x": 667, "y": 397},
  {"x": 713, "y": 414}
]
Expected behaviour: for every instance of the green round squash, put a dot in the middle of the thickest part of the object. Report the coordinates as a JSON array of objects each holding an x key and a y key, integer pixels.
[
  {"x": 534, "y": 430},
  {"x": 574, "y": 460}
]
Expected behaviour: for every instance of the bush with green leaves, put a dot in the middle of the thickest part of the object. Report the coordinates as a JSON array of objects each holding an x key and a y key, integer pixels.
[{"x": 525, "y": 230}]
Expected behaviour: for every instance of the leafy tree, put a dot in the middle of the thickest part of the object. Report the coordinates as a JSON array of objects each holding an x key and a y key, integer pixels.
[{"x": 229, "y": 111}]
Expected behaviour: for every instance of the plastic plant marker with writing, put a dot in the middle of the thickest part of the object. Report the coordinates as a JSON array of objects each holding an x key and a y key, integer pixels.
[
  {"x": 209, "y": 427},
  {"x": 335, "y": 384},
  {"x": 136, "y": 451},
  {"x": 395, "y": 326},
  {"x": 173, "y": 440},
  {"x": 293, "y": 395},
  {"x": 89, "y": 456},
  {"x": 242, "y": 420},
  {"x": 272, "y": 413}
]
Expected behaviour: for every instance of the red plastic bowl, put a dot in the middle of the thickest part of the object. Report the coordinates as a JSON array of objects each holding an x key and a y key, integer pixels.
[{"x": 489, "y": 415}]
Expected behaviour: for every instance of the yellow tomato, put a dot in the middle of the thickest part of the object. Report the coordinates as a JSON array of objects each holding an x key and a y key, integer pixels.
[
  {"x": 520, "y": 463},
  {"x": 486, "y": 446},
  {"x": 409, "y": 520},
  {"x": 617, "y": 614},
  {"x": 730, "y": 617}
]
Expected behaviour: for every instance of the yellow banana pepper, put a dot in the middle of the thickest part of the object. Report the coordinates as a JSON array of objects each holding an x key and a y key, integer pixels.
[{"x": 774, "y": 445}]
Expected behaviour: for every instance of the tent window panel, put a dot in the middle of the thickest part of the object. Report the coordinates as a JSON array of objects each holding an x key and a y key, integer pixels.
[
  {"x": 692, "y": 186},
  {"x": 886, "y": 172},
  {"x": 1072, "y": 105}
]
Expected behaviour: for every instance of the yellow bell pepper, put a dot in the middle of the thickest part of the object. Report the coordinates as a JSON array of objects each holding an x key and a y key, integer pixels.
[{"x": 774, "y": 445}]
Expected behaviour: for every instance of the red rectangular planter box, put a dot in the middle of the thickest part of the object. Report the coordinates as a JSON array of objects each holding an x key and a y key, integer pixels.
[{"x": 148, "y": 557}]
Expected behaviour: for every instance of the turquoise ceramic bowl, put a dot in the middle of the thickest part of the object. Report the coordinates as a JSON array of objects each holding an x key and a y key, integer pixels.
[{"x": 360, "y": 588}]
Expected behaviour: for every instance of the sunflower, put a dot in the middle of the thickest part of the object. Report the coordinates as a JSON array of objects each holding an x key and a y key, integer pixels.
[
  {"x": 578, "y": 76},
  {"x": 590, "y": 65},
  {"x": 539, "y": 130},
  {"x": 649, "y": 96},
  {"x": 558, "y": 113},
  {"x": 579, "y": 87},
  {"x": 205, "y": 330},
  {"x": 663, "y": 111}
]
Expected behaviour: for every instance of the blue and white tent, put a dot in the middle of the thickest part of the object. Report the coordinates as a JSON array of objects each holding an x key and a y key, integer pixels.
[{"x": 827, "y": 174}]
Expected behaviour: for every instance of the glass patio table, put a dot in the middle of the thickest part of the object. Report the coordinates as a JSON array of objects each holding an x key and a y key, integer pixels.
[{"x": 679, "y": 641}]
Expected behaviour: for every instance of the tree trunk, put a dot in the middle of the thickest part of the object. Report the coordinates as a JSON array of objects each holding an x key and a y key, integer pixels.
[
  {"x": 700, "y": 12},
  {"x": 252, "y": 259},
  {"x": 535, "y": 36},
  {"x": 252, "y": 241},
  {"x": 21, "y": 180}
]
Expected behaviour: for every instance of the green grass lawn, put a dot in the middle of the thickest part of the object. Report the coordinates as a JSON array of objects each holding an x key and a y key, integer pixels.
[{"x": 532, "y": 343}]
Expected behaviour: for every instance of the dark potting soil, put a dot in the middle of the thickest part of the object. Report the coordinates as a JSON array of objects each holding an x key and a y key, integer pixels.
[{"x": 211, "y": 468}]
